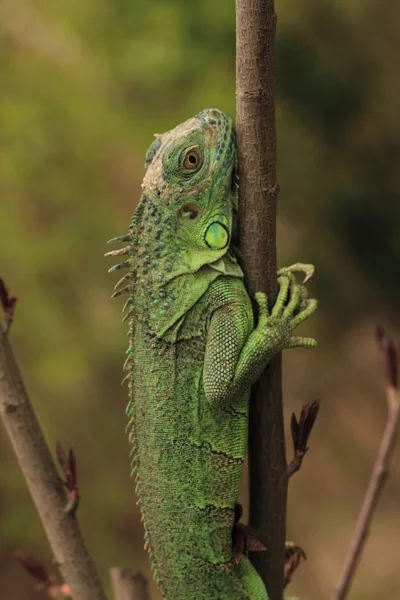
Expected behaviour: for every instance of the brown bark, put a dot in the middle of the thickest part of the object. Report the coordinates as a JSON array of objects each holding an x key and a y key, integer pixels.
[
  {"x": 62, "y": 529},
  {"x": 255, "y": 126},
  {"x": 128, "y": 585}
]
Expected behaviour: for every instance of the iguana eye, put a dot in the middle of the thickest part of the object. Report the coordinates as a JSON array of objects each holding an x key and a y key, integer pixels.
[{"x": 192, "y": 159}]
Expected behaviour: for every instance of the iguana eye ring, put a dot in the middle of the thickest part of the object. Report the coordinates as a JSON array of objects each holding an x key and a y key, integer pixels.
[{"x": 192, "y": 160}]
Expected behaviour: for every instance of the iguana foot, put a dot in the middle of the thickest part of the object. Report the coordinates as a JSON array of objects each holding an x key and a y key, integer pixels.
[{"x": 291, "y": 308}]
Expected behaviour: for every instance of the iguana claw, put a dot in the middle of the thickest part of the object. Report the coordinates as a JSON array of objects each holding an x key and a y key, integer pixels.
[{"x": 307, "y": 269}]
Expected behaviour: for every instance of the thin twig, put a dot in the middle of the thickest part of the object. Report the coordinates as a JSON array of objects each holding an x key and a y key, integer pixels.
[
  {"x": 255, "y": 127},
  {"x": 128, "y": 585},
  {"x": 380, "y": 471},
  {"x": 32, "y": 452}
]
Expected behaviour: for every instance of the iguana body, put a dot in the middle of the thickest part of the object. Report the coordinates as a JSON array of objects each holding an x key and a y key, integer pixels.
[{"x": 193, "y": 354}]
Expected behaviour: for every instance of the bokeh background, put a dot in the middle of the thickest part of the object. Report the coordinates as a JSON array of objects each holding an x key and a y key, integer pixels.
[{"x": 83, "y": 87}]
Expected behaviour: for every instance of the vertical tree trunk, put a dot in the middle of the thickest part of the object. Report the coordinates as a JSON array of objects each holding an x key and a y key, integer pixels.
[{"x": 255, "y": 126}]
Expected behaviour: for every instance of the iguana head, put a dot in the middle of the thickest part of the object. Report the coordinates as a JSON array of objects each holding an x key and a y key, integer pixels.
[
  {"x": 189, "y": 194},
  {"x": 181, "y": 230}
]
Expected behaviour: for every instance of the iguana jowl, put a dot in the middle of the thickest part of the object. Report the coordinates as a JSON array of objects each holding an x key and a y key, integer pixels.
[{"x": 193, "y": 354}]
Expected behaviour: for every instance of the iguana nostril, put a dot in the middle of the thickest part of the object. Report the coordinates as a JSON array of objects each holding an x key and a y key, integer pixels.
[{"x": 189, "y": 211}]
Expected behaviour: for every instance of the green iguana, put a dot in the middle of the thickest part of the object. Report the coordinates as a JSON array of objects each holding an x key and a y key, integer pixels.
[{"x": 193, "y": 354}]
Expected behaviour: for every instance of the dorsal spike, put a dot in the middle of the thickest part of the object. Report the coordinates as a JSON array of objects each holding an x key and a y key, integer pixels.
[
  {"x": 125, "y": 379},
  {"x": 126, "y": 364},
  {"x": 122, "y": 280},
  {"x": 121, "y": 239},
  {"x": 123, "y": 265},
  {"x": 118, "y": 252},
  {"x": 128, "y": 288},
  {"x": 126, "y": 316},
  {"x": 128, "y": 427},
  {"x": 127, "y": 303}
]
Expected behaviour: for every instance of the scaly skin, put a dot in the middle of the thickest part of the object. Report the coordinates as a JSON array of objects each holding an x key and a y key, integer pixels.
[{"x": 194, "y": 353}]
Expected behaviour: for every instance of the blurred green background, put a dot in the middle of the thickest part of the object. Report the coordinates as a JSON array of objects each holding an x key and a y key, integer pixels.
[{"x": 83, "y": 87}]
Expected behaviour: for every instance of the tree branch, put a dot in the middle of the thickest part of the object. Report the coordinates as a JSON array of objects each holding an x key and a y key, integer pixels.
[
  {"x": 62, "y": 529},
  {"x": 255, "y": 127},
  {"x": 128, "y": 585},
  {"x": 380, "y": 471}
]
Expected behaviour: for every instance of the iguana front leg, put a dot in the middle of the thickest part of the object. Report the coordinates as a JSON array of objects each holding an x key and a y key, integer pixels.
[{"x": 234, "y": 359}]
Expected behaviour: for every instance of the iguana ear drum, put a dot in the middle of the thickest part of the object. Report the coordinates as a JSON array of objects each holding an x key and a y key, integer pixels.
[{"x": 216, "y": 236}]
